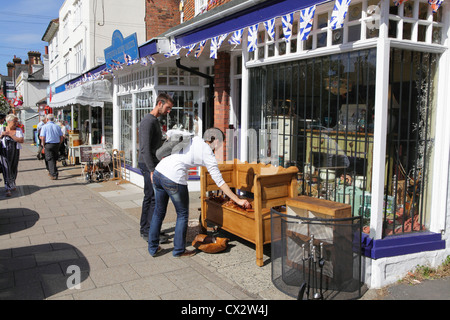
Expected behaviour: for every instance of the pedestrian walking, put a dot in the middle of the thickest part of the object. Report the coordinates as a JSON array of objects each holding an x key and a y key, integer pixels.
[
  {"x": 11, "y": 139},
  {"x": 170, "y": 182},
  {"x": 150, "y": 139},
  {"x": 51, "y": 137}
]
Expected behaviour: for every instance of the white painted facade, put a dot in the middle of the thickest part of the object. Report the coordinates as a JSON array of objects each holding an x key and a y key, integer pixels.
[{"x": 85, "y": 30}]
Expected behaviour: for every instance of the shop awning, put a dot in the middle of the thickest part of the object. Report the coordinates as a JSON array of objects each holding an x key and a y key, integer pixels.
[
  {"x": 92, "y": 93},
  {"x": 217, "y": 24}
]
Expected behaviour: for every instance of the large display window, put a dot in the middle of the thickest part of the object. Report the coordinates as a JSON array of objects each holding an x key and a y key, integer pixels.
[{"x": 318, "y": 114}]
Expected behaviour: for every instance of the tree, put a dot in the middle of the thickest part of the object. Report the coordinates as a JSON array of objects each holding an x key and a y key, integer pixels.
[{"x": 4, "y": 104}]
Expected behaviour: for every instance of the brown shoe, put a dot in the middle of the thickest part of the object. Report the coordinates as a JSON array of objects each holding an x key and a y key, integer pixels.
[
  {"x": 8, "y": 193},
  {"x": 187, "y": 253}
]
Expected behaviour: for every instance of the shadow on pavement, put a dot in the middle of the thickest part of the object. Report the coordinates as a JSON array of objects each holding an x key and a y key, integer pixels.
[{"x": 40, "y": 271}]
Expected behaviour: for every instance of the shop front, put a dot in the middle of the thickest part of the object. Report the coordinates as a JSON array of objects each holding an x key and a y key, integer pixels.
[
  {"x": 84, "y": 105},
  {"x": 357, "y": 107},
  {"x": 136, "y": 88}
]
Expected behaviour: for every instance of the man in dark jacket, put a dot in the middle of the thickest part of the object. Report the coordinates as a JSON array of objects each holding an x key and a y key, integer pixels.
[{"x": 150, "y": 139}]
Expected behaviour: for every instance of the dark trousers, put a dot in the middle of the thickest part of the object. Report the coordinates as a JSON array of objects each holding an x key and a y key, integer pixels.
[
  {"x": 51, "y": 157},
  {"x": 148, "y": 203}
]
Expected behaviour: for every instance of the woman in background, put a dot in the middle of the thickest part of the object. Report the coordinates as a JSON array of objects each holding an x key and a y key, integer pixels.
[{"x": 11, "y": 139}]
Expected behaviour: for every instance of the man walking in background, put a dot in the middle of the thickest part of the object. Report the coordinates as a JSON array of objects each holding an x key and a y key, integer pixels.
[
  {"x": 150, "y": 139},
  {"x": 51, "y": 137}
]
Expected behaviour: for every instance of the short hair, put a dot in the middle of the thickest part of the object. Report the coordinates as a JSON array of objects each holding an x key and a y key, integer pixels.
[
  {"x": 2, "y": 116},
  {"x": 51, "y": 117},
  {"x": 11, "y": 117},
  {"x": 164, "y": 97}
]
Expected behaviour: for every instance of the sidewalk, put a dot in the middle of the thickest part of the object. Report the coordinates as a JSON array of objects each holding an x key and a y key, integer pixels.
[{"x": 48, "y": 226}]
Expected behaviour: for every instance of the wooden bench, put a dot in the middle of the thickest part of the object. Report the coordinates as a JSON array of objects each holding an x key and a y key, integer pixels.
[{"x": 271, "y": 186}]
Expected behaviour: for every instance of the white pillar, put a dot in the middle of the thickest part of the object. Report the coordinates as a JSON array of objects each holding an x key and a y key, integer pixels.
[
  {"x": 244, "y": 101},
  {"x": 116, "y": 119},
  {"x": 134, "y": 159},
  {"x": 380, "y": 126}
]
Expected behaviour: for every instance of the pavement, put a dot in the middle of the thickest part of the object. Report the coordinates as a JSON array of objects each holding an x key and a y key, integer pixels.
[{"x": 68, "y": 239}]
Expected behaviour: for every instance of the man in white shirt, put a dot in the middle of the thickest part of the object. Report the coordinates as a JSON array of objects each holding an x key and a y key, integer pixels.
[{"x": 170, "y": 181}]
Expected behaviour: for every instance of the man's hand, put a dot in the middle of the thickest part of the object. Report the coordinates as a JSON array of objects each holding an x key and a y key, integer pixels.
[{"x": 151, "y": 176}]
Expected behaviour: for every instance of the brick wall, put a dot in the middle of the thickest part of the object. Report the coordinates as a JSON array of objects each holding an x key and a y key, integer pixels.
[
  {"x": 160, "y": 16},
  {"x": 189, "y": 7},
  {"x": 222, "y": 93}
]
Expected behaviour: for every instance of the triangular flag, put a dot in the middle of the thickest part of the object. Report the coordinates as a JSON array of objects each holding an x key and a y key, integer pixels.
[
  {"x": 236, "y": 37},
  {"x": 252, "y": 38},
  {"x": 306, "y": 22},
  {"x": 190, "y": 48},
  {"x": 270, "y": 27},
  {"x": 287, "y": 21},
  {"x": 216, "y": 42},
  {"x": 200, "y": 48},
  {"x": 339, "y": 12},
  {"x": 435, "y": 4}
]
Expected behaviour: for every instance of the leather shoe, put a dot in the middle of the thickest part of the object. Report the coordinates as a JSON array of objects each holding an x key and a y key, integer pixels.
[
  {"x": 157, "y": 252},
  {"x": 186, "y": 253}
]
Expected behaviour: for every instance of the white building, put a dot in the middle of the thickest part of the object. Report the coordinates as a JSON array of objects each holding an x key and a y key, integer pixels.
[
  {"x": 31, "y": 85},
  {"x": 76, "y": 41}
]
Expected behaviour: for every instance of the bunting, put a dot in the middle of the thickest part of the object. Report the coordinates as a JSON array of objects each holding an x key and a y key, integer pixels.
[
  {"x": 399, "y": 2},
  {"x": 287, "y": 21},
  {"x": 270, "y": 27},
  {"x": 216, "y": 42},
  {"x": 236, "y": 37},
  {"x": 339, "y": 12},
  {"x": 175, "y": 49},
  {"x": 306, "y": 22},
  {"x": 200, "y": 48},
  {"x": 252, "y": 38},
  {"x": 190, "y": 48},
  {"x": 435, "y": 4}
]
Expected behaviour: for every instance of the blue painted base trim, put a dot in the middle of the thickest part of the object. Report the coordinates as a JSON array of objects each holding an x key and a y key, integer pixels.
[{"x": 401, "y": 245}]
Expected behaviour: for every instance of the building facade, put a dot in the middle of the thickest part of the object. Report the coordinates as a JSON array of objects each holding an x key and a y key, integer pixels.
[
  {"x": 76, "y": 41},
  {"x": 353, "y": 95}
]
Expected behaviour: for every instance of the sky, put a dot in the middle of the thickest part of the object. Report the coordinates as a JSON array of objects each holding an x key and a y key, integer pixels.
[{"x": 22, "y": 26}]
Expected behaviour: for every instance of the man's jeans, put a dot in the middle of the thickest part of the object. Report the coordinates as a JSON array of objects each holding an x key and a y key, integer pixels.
[
  {"x": 179, "y": 194},
  {"x": 148, "y": 203}
]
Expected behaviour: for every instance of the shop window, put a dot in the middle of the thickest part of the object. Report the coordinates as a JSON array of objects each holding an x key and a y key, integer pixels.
[
  {"x": 184, "y": 114},
  {"x": 318, "y": 115},
  {"x": 126, "y": 126},
  {"x": 176, "y": 77},
  {"x": 411, "y": 15},
  {"x": 409, "y": 141}
]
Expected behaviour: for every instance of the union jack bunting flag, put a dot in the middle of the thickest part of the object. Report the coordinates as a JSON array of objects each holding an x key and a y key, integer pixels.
[
  {"x": 216, "y": 42},
  {"x": 270, "y": 27},
  {"x": 252, "y": 38},
  {"x": 144, "y": 61},
  {"x": 287, "y": 25},
  {"x": 306, "y": 22},
  {"x": 200, "y": 48},
  {"x": 435, "y": 4},
  {"x": 339, "y": 12},
  {"x": 190, "y": 48},
  {"x": 151, "y": 59},
  {"x": 399, "y": 2},
  {"x": 175, "y": 49},
  {"x": 236, "y": 37}
]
